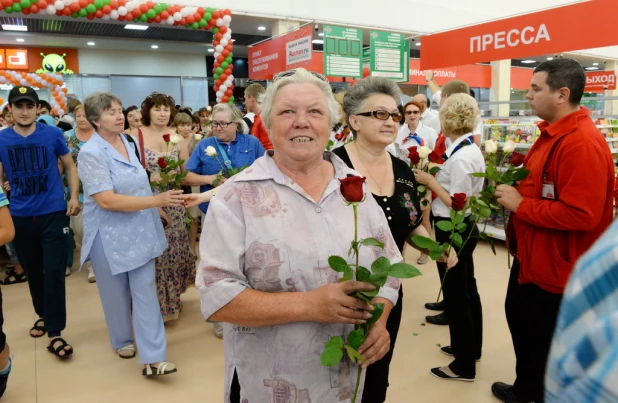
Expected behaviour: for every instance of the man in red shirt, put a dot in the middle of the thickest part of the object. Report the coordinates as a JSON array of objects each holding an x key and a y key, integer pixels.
[
  {"x": 557, "y": 213},
  {"x": 252, "y": 96}
]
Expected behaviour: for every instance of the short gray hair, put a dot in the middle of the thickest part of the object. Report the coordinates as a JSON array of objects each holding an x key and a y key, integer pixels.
[
  {"x": 235, "y": 113},
  {"x": 354, "y": 100},
  {"x": 97, "y": 103},
  {"x": 300, "y": 76}
]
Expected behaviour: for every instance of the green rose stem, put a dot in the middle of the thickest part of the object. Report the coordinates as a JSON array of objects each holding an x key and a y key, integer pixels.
[
  {"x": 360, "y": 369},
  {"x": 447, "y": 254}
]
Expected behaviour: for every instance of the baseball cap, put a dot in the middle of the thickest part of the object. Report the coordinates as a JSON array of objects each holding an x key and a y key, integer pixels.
[
  {"x": 20, "y": 93},
  {"x": 48, "y": 120}
]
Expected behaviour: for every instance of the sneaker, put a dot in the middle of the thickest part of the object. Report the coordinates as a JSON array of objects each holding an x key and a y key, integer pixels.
[
  {"x": 218, "y": 328},
  {"x": 505, "y": 393}
]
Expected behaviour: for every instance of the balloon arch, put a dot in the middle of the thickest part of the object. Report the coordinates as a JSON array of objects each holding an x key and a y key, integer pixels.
[{"x": 216, "y": 21}]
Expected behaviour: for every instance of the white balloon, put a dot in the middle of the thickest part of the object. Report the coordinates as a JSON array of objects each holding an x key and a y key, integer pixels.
[
  {"x": 223, "y": 88},
  {"x": 219, "y": 48},
  {"x": 67, "y": 2},
  {"x": 51, "y": 9},
  {"x": 61, "y": 112},
  {"x": 184, "y": 12},
  {"x": 23, "y": 82},
  {"x": 130, "y": 6},
  {"x": 219, "y": 22},
  {"x": 227, "y": 36},
  {"x": 170, "y": 20},
  {"x": 227, "y": 19},
  {"x": 230, "y": 77},
  {"x": 106, "y": 17},
  {"x": 114, "y": 14},
  {"x": 122, "y": 10},
  {"x": 219, "y": 94},
  {"x": 59, "y": 5},
  {"x": 223, "y": 42},
  {"x": 177, "y": 16}
]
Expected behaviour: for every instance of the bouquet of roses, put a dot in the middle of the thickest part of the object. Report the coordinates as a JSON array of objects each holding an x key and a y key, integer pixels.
[
  {"x": 169, "y": 168},
  {"x": 421, "y": 159},
  {"x": 224, "y": 172},
  {"x": 353, "y": 194}
]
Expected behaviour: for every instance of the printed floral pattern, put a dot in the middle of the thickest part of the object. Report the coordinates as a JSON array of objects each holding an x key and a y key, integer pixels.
[{"x": 406, "y": 202}]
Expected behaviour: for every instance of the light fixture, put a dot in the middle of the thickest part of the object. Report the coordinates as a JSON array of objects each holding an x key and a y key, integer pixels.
[
  {"x": 155, "y": 46},
  {"x": 592, "y": 68},
  {"x": 321, "y": 34},
  {"x": 233, "y": 40},
  {"x": 318, "y": 41},
  {"x": 595, "y": 64},
  {"x": 261, "y": 28},
  {"x": 91, "y": 43},
  {"x": 11, "y": 27},
  {"x": 136, "y": 27},
  {"x": 528, "y": 61},
  {"x": 418, "y": 44},
  {"x": 550, "y": 58},
  {"x": 20, "y": 40},
  {"x": 211, "y": 50}
]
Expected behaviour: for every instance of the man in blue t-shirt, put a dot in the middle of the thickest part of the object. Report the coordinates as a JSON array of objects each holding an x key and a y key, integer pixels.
[{"x": 29, "y": 152}]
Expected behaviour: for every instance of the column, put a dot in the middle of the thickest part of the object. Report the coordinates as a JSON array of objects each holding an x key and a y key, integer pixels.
[
  {"x": 611, "y": 107},
  {"x": 282, "y": 26},
  {"x": 500, "y": 87}
]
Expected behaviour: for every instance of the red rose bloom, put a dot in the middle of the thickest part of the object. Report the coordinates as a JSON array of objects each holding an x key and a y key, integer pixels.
[
  {"x": 413, "y": 156},
  {"x": 435, "y": 158},
  {"x": 458, "y": 201},
  {"x": 352, "y": 188},
  {"x": 517, "y": 159},
  {"x": 162, "y": 163},
  {"x": 166, "y": 138}
]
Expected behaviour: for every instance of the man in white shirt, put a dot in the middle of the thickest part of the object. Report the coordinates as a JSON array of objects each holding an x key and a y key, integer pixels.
[{"x": 428, "y": 118}]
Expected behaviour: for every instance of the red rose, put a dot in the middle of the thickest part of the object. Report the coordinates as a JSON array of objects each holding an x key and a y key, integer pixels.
[
  {"x": 162, "y": 163},
  {"x": 352, "y": 188},
  {"x": 166, "y": 138},
  {"x": 458, "y": 201},
  {"x": 517, "y": 159},
  {"x": 435, "y": 158},
  {"x": 413, "y": 156}
]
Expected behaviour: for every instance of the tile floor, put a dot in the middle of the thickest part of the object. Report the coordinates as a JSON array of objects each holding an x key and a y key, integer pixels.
[{"x": 95, "y": 374}]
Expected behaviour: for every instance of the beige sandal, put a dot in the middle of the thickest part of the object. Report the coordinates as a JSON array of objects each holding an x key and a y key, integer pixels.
[
  {"x": 127, "y": 352},
  {"x": 164, "y": 368}
]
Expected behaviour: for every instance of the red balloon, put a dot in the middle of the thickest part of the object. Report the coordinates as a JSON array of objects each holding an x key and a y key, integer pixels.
[
  {"x": 190, "y": 19},
  {"x": 228, "y": 71},
  {"x": 25, "y": 11},
  {"x": 229, "y": 92},
  {"x": 223, "y": 77},
  {"x": 42, "y": 4},
  {"x": 149, "y": 4},
  {"x": 90, "y": 16},
  {"x": 227, "y": 11},
  {"x": 157, "y": 19},
  {"x": 150, "y": 20},
  {"x": 143, "y": 8},
  {"x": 164, "y": 14},
  {"x": 59, "y": 13},
  {"x": 225, "y": 53},
  {"x": 228, "y": 47},
  {"x": 75, "y": 7},
  {"x": 66, "y": 11},
  {"x": 215, "y": 15},
  {"x": 218, "y": 36},
  {"x": 171, "y": 10},
  {"x": 197, "y": 16},
  {"x": 34, "y": 9},
  {"x": 7, "y": 3},
  {"x": 183, "y": 22},
  {"x": 114, "y": 5},
  {"x": 90, "y": 1},
  {"x": 201, "y": 10},
  {"x": 220, "y": 59},
  {"x": 82, "y": 3},
  {"x": 121, "y": 18},
  {"x": 222, "y": 29},
  {"x": 225, "y": 98},
  {"x": 99, "y": 14},
  {"x": 218, "y": 83},
  {"x": 215, "y": 43},
  {"x": 106, "y": 9},
  {"x": 136, "y": 13},
  {"x": 122, "y": 3}
]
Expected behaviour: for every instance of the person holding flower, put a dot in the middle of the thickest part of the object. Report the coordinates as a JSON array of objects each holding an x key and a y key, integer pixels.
[
  {"x": 453, "y": 185},
  {"x": 159, "y": 146}
]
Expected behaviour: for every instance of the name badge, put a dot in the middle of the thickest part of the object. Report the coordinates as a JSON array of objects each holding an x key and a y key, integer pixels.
[{"x": 548, "y": 191}]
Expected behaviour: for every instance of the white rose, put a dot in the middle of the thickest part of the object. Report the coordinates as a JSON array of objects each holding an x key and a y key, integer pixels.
[
  {"x": 210, "y": 151},
  {"x": 424, "y": 152},
  {"x": 209, "y": 108},
  {"x": 509, "y": 146},
  {"x": 175, "y": 139},
  {"x": 198, "y": 137},
  {"x": 491, "y": 146}
]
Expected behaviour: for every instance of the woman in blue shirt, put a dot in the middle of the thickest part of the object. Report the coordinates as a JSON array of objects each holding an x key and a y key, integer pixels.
[{"x": 123, "y": 235}]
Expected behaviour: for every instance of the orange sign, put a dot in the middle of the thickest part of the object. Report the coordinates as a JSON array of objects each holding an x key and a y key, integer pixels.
[
  {"x": 16, "y": 59},
  {"x": 599, "y": 81},
  {"x": 40, "y": 60},
  {"x": 279, "y": 54},
  {"x": 560, "y": 29}
]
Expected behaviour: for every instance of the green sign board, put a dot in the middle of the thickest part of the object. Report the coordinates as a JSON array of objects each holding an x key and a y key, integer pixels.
[
  {"x": 343, "y": 51},
  {"x": 390, "y": 56}
]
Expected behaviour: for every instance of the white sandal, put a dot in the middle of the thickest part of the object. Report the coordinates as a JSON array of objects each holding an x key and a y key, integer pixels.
[
  {"x": 164, "y": 368},
  {"x": 130, "y": 349}
]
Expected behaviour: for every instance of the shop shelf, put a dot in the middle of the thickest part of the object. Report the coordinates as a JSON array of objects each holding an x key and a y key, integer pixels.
[{"x": 496, "y": 233}]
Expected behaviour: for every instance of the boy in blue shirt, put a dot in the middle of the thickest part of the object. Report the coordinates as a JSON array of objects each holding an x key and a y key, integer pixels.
[{"x": 28, "y": 156}]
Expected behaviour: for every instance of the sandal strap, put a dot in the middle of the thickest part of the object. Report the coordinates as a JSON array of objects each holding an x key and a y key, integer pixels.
[
  {"x": 37, "y": 326},
  {"x": 127, "y": 348},
  {"x": 59, "y": 348}
]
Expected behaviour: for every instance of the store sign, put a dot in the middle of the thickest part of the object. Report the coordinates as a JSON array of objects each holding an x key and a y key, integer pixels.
[
  {"x": 599, "y": 81},
  {"x": 284, "y": 52},
  {"x": 14, "y": 59},
  {"x": 551, "y": 31},
  {"x": 40, "y": 60},
  {"x": 343, "y": 51},
  {"x": 390, "y": 54}
]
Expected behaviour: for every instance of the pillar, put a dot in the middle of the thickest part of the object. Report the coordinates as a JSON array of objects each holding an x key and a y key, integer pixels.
[
  {"x": 611, "y": 106},
  {"x": 500, "y": 87},
  {"x": 280, "y": 27}
]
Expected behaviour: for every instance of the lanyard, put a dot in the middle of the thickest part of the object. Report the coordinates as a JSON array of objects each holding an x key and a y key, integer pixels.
[
  {"x": 226, "y": 160},
  {"x": 466, "y": 142}
]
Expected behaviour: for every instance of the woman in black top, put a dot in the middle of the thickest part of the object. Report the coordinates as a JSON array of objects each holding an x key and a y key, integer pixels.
[{"x": 372, "y": 115}]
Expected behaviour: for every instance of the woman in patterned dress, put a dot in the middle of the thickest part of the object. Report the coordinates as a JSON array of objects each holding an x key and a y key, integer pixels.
[{"x": 175, "y": 269}]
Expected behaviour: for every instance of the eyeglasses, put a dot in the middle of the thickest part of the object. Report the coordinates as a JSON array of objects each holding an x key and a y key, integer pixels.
[
  {"x": 383, "y": 115},
  {"x": 413, "y": 113},
  {"x": 290, "y": 73},
  {"x": 222, "y": 125},
  {"x": 159, "y": 94}
]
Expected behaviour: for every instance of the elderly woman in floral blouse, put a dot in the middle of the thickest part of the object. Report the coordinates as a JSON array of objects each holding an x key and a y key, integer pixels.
[{"x": 264, "y": 269}]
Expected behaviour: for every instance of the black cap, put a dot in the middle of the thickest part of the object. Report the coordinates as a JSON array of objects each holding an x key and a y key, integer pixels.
[{"x": 20, "y": 93}]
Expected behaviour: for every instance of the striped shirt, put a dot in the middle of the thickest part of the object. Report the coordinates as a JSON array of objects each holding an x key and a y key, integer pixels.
[{"x": 583, "y": 363}]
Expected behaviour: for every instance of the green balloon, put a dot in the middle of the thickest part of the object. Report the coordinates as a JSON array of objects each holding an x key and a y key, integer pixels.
[
  {"x": 74, "y": 15},
  {"x": 157, "y": 8},
  {"x": 216, "y": 76},
  {"x": 98, "y": 4},
  {"x": 17, "y": 7},
  {"x": 83, "y": 13},
  {"x": 219, "y": 70},
  {"x": 107, "y": 2},
  {"x": 143, "y": 17},
  {"x": 229, "y": 60},
  {"x": 135, "y": 19},
  {"x": 150, "y": 13},
  {"x": 224, "y": 65},
  {"x": 232, "y": 98},
  {"x": 25, "y": 3},
  {"x": 215, "y": 30},
  {"x": 195, "y": 25},
  {"x": 91, "y": 9},
  {"x": 8, "y": 9},
  {"x": 203, "y": 23},
  {"x": 231, "y": 55},
  {"x": 207, "y": 16},
  {"x": 187, "y": 25}
]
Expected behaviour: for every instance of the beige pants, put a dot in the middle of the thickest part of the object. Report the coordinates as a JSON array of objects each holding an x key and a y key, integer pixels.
[{"x": 77, "y": 225}]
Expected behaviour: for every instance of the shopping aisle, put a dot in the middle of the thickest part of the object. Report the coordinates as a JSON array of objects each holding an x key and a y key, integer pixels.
[{"x": 95, "y": 374}]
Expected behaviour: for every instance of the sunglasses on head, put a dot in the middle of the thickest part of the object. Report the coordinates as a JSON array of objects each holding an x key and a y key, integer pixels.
[
  {"x": 290, "y": 73},
  {"x": 383, "y": 115}
]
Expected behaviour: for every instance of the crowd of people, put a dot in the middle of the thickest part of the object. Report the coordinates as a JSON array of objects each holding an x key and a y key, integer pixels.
[{"x": 131, "y": 188}]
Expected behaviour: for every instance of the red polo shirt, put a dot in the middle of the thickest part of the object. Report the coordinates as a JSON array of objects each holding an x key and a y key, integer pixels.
[
  {"x": 548, "y": 236},
  {"x": 259, "y": 131}
]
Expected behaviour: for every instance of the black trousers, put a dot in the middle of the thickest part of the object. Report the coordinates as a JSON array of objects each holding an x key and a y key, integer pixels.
[
  {"x": 2, "y": 335},
  {"x": 463, "y": 304},
  {"x": 531, "y": 313},
  {"x": 41, "y": 245},
  {"x": 376, "y": 378}
]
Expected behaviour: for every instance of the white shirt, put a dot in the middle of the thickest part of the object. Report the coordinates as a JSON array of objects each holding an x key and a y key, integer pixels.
[
  {"x": 250, "y": 116},
  {"x": 455, "y": 176},
  {"x": 428, "y": 134},
  {"x": 428, "y": 118}
]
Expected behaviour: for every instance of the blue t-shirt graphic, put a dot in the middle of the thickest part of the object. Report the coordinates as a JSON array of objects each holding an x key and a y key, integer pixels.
[{"x": 31, "y": 167}]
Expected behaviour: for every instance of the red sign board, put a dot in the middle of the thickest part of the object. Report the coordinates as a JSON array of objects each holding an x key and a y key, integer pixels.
[
  {"x": 560, "y": 29},
  {"x": 285, "y": 52},
  {"x": 40, "y": 60},
  {"x": 599, "y": 81}
]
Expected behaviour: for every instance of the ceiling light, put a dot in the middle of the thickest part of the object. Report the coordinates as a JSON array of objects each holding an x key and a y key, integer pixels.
[
  {"x": 592, "y": 68},
  {"x": 155, "y": 46},
  {"x": 137, "y": 27},
  {"x": 20, "y": 39},
  {"x": 418, "y": 44},
  {"x": 595, "y": 64},
  {"x": 233, "y": 40},
  {"x": 261, "y": 28},
  {"x": 10, "y": 27},
  {"x": 321, "y": 34},
  {"x": 528, "y": 61},
  {"x": 211, "y": 50},
  {"x": 91, "y": 43},
  {"x": 550, "y": 58},
  {"x": 318, "y": 41}
]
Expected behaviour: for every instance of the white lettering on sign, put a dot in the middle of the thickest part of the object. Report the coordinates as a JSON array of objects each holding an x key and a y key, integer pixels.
[
  {"x": 436, "y": 73},
  {"x": 514, "y": 37},
  {"x": 609, "y": 78},
  {"x": 264, "y": 59}
]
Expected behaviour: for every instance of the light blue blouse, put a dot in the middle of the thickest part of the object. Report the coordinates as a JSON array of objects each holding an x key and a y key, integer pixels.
[{"x": 130, "y": 239}]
